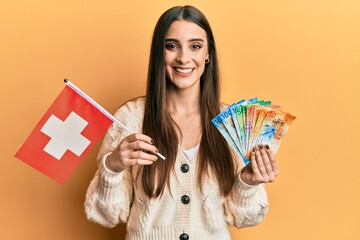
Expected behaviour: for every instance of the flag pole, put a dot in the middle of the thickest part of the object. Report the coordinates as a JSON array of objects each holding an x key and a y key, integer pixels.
[{"x": 101, "y": 109}]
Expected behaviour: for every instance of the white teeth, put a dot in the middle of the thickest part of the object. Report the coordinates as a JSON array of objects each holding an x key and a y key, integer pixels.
[{"x": 181, "y": 70}]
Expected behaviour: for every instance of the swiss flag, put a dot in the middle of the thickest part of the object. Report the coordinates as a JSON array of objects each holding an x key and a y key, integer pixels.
[{"x": 65, "y": 134}]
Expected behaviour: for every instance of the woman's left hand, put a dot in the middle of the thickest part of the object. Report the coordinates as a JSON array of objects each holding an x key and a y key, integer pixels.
[{"x": 262, "y": 167}]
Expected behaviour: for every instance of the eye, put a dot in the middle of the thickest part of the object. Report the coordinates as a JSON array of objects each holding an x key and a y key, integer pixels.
[
  {"x": 196, "y": 46},
  {"x": 170, "y": 46}
]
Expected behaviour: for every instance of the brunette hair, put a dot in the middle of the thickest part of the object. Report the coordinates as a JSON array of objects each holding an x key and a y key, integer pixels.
[{"x": 214, "y": 153}]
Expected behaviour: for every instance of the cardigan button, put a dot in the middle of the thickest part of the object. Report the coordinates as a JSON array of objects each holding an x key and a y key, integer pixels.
[
  {"x": 184, "y": 236},
  {"x": 184, "y": 168},
  {"x": 185, "y": 199}
]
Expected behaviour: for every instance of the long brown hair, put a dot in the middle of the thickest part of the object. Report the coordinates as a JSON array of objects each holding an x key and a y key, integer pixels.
[{"x": 214, "y": 153}]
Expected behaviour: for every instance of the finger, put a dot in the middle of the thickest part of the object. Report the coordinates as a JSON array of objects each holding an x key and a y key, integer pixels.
[
  {"x": 142, "y": 155},
  {"x": 143, "y": 146},
  {"x": 272, "y": 160},
  {"x": 265, "y": 159},
  {"x": 142, "y": 162},
  {"x": 259, "y": 161},
  {"x": 256, "y": 177},
  {"x": 254, "y": 166},
  {"x": 138, "y": 136}
]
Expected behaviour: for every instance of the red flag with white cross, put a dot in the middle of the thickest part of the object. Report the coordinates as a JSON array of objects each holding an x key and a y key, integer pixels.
[{"x": 65, "y": 134}]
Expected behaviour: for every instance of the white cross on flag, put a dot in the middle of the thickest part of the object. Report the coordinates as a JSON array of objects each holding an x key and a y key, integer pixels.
[{"x": 65, "y": 134}]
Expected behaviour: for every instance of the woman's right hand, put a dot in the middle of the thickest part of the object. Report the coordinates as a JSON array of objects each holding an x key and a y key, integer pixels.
[{"x": 135, "y": 149}]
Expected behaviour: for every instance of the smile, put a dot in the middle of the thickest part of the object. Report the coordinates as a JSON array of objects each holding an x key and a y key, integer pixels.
[{"x": 184, "y": 70}]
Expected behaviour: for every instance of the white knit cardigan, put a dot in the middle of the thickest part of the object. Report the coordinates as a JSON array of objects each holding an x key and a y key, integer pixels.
[{"x": 113, "y": 197}]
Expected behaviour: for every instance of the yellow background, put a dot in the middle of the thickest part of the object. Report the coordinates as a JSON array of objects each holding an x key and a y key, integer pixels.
[{"x": 304, "y": 55}]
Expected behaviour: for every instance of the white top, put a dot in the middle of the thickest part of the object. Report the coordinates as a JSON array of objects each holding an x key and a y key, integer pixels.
[{"x": 190, "y": 153}]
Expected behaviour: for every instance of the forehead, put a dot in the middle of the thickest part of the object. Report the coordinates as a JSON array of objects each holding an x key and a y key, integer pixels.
[{"x": 184, "y": 30}]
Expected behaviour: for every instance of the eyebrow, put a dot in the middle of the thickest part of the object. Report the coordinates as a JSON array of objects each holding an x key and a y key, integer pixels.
[{"x": 191, "y": 40}]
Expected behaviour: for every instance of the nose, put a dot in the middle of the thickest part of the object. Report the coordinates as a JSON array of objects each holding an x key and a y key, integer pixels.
[{"x": 183, "y": 56}]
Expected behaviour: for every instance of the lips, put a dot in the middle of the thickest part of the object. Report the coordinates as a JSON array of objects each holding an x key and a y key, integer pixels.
[{"x": 184, "y": 70}]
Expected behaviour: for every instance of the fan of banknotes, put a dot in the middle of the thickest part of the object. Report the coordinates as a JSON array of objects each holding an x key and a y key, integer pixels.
[{"x": 248, "y": 123}]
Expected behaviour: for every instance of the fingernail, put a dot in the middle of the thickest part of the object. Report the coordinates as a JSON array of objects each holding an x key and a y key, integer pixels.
[
  {"x": 255, "y": 149},
  {"x": 261, "y": 146},
  {"x": 152, "y": 141},
  {"x": 267, "y": 146}
]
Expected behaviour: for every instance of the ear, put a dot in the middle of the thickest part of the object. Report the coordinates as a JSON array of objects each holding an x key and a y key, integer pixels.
[{"x": 207, "y": 59}]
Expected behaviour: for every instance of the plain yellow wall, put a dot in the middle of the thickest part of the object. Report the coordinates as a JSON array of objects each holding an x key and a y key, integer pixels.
[{"x": 304, "y": 55}]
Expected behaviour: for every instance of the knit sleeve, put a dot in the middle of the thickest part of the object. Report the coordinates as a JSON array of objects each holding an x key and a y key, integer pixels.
[
  {"x": 245, "y": 205},
  {"x": 109, "y": 196}
]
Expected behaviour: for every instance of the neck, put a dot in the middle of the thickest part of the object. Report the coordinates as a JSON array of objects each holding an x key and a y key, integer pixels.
[{"x": 184, "y": 102}]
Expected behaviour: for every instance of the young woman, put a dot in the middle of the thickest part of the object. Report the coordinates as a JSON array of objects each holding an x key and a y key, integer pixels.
[{"x": 201, "y": 187}]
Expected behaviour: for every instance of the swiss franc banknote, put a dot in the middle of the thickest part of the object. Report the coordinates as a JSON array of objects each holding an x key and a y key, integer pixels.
[{"x": 248, "y": 123}]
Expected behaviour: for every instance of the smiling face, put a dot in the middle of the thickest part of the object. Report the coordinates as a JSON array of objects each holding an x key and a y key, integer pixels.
[{"x": 186, "y": 49}]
